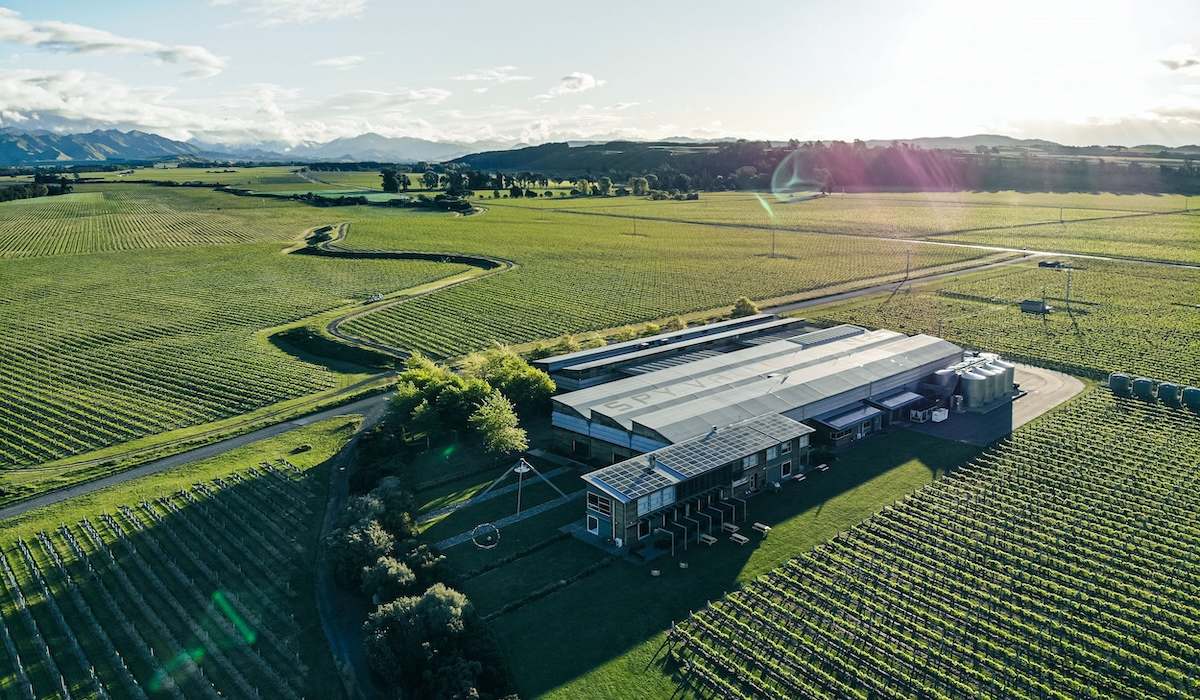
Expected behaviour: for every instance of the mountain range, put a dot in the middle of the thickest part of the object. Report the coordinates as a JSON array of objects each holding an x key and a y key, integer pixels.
[{"x": 41, "y": 147}]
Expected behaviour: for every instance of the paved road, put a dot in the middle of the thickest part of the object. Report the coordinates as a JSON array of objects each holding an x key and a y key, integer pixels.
[
  {"x": 370, "y": 406},
  {"x": 889, "y": 286}
]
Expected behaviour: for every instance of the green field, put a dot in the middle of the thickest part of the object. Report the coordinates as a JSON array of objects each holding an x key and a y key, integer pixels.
[
  {"x": 582, "y": 273},
  {"x": 1123, "y": 317},
  {"x": 1138, "y": 226},
  {"x": 178, "y": 584},
  {"x": 1058, "y": 564},
  {"x": 106, "y": 347}
]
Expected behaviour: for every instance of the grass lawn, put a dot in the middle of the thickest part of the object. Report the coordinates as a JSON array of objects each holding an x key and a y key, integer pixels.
[
  {"x": 514, "y": 538},
  {"x": 534, "y": 492},
  {"x": 607, "y": 626}
]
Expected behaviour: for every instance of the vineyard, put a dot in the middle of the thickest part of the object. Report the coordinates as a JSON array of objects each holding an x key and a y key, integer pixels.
[
  {"x": 584, "y": 273},
  {"x": 184, "y": 595},
  {"x": 130, "y": 218},
  {"x": 1137, "y": 318},
  {"x": 1137, "y": 226},
  {"x": 1060, "y": 563},
  {"x": 106, "y": 348}
]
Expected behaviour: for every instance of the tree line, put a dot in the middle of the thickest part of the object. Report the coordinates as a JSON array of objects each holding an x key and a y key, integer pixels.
[
  {"x": 33, "y": 189},
  {"x": 423, "y": 638}
]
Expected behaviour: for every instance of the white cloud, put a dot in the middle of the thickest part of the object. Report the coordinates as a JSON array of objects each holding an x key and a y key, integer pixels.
[
  {"x": 497, "y": 74},
  {"x": 1181, "y": 57},
  {"x": 75, "y": 38},
  {"x": 272, "y": 12},
  {"x": 622, "y": 106},
  {"x": 572, "y": 83},
  {"x": 339, "y": 62},
  {"x": 383, "y": 100}
]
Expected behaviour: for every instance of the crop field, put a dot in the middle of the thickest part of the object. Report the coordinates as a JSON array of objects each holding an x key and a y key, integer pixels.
[
  {"x": 130, "y": 217},
  {"x": 588, "y": 272},
  {"x": 195, "y": 583},
  {"x": 108, "y": 347},
  {"x": 1060, "y": 563},
  {"x": 263, "y": 178},
  {"x": 1137, "y": 226},
  {"x": 1174, "y": 237},
  {"x": 1123, "y": 317}
]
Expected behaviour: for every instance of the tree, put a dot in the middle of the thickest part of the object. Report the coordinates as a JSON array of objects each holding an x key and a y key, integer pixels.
[
  {"x": 430, "y": 179},
  {"x": 418, "y": 643},
  {"x": 387, "y": 579},
  {"x": 405, "y": 182},
  {"x": 675, "y": 324},
  {"x": 743, "y": 307},
  {"x": 526, "y": 386},
  {"x": 497, "y": 424},
  {"x": 583, "y": 186},
  {"x": 358, "y": 546},
  {"x": 396, "y": 505},
  {"x": 604, "y": 185},
  {"x": 391, "y": 183},
  {"x": 640, "y": 186}
]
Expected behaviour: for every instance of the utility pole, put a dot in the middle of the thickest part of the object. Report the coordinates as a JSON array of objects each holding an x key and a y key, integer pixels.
[{"x": 772, "y": 242}]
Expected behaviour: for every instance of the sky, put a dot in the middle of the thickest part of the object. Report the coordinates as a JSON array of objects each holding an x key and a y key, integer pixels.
[{"x": 284, "y": 72}]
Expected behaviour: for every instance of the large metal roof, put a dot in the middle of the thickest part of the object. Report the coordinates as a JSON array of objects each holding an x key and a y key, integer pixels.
[
  {"x": 661, "y": 339},
  {"x": 644, "y": 474},
  {"x": 680, "y": 402}
]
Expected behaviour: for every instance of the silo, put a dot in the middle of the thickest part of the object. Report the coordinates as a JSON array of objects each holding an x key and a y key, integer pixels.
[
  {"x": 1143, "y": 388},
  {"x": 1121, "y": 384},
  {"x": 945, "y": 377},
  {"x": 1191, "y": 398},
  {"x": 974, "y": 389},
  {"x": 1169, "y": 394},
  {"x": 1010, "y": 375},
  {"x": 994, "y": 378}
]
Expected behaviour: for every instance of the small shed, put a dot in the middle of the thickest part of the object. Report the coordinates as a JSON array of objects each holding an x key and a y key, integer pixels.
[{"x": 1035, "y": 306}]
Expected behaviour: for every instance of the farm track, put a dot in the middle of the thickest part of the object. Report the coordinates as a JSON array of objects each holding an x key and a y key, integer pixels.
[
  {"x": 483, "y": 265},
  {"x": 918, "y": 241}
]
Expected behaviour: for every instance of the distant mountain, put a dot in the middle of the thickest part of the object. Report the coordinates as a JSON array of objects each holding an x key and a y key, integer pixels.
[
  {"x": 388, "y": 149},
  {"x": 969, "y": 143},
  {"x": 21, "y": 148}
]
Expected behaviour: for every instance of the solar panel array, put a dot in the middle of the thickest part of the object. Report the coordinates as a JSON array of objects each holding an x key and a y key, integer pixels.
[{"x": 633, "y": 478}]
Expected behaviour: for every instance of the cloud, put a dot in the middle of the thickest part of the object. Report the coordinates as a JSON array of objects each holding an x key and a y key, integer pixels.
[
  {"x": 497, "y": 74},
  {"x": 1180, "y": 57},
  {"x": 383, "y": 100},
  {"x": 273, "y": 12},
  {"x": 572, "y": 83},
  {"x": 340, "y": 62},
  {"x": 622, "y": 106},
  {"x": 75, "y": 38}
]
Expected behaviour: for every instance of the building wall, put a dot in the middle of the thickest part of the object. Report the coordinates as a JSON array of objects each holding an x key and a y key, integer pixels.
[{"x": 626, "y": 519}]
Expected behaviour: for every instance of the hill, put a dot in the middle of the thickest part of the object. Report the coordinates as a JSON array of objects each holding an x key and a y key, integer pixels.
[{"x": 21, "y": 148}]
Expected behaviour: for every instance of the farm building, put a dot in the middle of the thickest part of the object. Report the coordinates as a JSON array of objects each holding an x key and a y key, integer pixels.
[
  {"x": 714, "y": 426},
  {"x": 702, "y": 480}
]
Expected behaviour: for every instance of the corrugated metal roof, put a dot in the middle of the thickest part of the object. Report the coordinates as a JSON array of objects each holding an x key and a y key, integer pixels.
[
  {"x": 646, "y": 473},
  {"x": 628, "y": 346},
  {"x": 685, "y": 401},
  {"x": 676, "y": 346},
  {"x": 664, "y": 363},
  {"x": 653, "y": 390}
]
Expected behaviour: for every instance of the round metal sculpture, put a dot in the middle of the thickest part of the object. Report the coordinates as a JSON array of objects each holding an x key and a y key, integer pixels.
[{"x": 485, "y": 536}]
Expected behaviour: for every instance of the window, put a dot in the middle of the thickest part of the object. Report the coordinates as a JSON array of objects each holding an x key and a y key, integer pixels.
[
  {"x": 838, "y": 435},
  {"x": 643, "y": 529},
  {"x": 785, "y": 469},
  {"x": 751, "y": 461},
  {"x": 656, "y": 500},
  {"x": 772, "y": 452},
  {"x": 593, "y": 524},
  {"x": 786, "y": 447},
  {"x": 599, "y": 503},
  {"x": 803, "y": 441}
]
